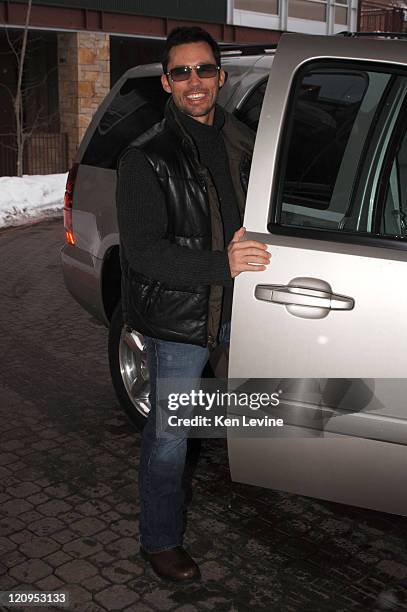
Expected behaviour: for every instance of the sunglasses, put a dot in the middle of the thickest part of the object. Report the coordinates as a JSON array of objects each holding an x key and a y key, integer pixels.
[{"x": 204, "y": 71}]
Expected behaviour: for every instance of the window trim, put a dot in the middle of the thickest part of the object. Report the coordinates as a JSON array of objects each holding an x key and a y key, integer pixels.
[
  {"x": 369, "y": 168},
  {"x": 400, "y": 131},
  {"x": 361, "y": 238}
]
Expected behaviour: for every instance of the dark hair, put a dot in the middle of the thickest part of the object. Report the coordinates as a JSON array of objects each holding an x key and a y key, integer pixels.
[{"x": 185, "y": 35}]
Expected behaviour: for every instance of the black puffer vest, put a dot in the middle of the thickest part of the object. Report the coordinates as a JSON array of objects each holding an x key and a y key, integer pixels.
[{"x": 174, "y": 313}]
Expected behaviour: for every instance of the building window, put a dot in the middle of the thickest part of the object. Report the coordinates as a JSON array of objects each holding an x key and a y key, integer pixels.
[
  {"x": 341, "y": 15},
  {"x": 307, "y": 9},
  {"x": 258, "y": 6}
]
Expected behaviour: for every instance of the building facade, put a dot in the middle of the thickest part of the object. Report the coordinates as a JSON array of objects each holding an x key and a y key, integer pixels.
[
  {"x": 78, "y": 48},
  {"x": 382, "y": 15},
  {"x": 307, "y": 16}
]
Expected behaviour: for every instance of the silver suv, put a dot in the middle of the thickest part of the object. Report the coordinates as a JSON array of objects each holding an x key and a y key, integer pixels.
[{"x": 328, "y": 195}]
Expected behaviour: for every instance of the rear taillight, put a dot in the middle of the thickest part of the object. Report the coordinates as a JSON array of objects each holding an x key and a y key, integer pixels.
[{"x": 68, "y": 202}]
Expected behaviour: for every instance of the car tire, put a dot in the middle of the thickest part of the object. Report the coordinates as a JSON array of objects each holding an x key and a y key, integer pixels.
[{"x": 128, "y": 369}]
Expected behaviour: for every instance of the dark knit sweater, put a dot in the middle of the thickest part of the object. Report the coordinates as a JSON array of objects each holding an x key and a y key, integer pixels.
[{"x": 142, "y": 216}]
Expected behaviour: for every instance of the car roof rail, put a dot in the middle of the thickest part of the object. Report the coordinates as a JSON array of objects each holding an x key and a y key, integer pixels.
[
  {"x": 247, "y": 48},
  {"x": 377, "y": 34}
]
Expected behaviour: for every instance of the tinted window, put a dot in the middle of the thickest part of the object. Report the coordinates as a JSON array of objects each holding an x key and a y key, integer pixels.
[
  {"x": 329, "y": 127},
  {"x": 137, "y": 106},
  {"x": 249, "y": 112}
]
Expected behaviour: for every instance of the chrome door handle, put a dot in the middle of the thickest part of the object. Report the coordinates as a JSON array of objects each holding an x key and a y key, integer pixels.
[
  {"x": 302, "y": 296},
  {"x": 305, "y": 297}
]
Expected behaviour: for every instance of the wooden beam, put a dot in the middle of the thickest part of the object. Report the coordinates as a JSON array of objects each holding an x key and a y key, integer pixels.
[{"x": 52, "y": 17}]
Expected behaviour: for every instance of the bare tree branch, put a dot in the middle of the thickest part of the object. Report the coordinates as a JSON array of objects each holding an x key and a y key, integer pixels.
[
  {"x": 10, "y": 93},
  {"x": 39, "y": 82},
  {"x": 23, "y": 48},
  {"x": 11, "y": 45}
]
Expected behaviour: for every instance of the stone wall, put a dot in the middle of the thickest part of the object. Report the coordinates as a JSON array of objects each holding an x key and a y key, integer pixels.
[{"x": 84, "y": 81}]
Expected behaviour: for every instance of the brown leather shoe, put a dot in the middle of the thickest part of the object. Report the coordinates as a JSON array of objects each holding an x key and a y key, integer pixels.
[{"x": 174, "y": 564}]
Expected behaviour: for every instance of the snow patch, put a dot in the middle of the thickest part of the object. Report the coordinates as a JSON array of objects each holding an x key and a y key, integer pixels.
[{"x": 31, "y": 198}]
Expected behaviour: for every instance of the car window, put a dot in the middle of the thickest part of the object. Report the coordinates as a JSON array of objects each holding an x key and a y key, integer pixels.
[
  {"x": 249, "y": 111},
  {"x": 329, "y": 126},
  {"x": 336, "y": 114},
  {"x": 136, "y": 107}
]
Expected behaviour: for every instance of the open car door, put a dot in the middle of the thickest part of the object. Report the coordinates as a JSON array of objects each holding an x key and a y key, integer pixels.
[{"x": 328, "y": 195}]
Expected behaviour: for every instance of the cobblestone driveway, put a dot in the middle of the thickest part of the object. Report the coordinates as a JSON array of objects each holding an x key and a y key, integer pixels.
[{"x": 68, "y": 473}]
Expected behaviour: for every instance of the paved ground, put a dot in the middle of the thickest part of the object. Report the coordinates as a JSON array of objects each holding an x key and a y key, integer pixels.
[{"x": 68, "y": 472}]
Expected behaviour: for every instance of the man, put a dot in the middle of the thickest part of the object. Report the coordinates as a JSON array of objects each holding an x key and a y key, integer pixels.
[{"x": 181, "y": 194}]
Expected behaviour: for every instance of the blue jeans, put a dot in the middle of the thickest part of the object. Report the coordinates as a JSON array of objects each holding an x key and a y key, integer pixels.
[{"x": 162, "y": 460}]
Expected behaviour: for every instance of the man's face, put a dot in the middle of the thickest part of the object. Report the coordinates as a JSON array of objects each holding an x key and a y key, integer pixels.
[{"x": 195, "y": 97}]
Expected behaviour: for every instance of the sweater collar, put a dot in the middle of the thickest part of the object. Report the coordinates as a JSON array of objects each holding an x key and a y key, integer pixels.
[
  {"x": 188, "y": 127},
  {"x": 200, "y": 131}
]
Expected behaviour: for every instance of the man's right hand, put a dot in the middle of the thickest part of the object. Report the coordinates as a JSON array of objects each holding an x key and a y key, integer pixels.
[{"x": 240, "y": 253}]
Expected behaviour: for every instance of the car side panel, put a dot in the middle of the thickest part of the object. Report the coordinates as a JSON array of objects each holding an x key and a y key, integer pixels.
[
  {"x": 360, "y": 472},
  {"x": 83, "y": 278},
  {"x": 94, "y": 214}
]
